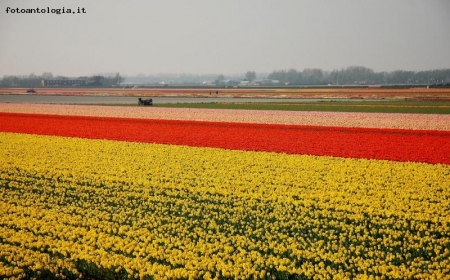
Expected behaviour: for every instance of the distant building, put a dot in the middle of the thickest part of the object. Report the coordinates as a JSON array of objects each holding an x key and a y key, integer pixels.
[
  {"x": 267, "y": 82},
  {"x": 244, "y": 83},
  {"x": 227, "y": 83},
  {"x": 63, "y": 82}
]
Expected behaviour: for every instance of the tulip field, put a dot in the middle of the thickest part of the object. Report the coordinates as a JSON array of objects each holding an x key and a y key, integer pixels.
[{"x": 100, "y": 192}]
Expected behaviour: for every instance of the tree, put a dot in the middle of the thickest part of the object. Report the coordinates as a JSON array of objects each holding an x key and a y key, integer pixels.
[
  {"x": 250, "y": 75},
  {"x": 312, "y": 76},
  {"x": 291, "y": 76},
  {"x": 97, "y": 80},
  {"x": 47, "y": 75},
  {"x": 220, "y": 79},
  {"x": 119, "y": 79}
]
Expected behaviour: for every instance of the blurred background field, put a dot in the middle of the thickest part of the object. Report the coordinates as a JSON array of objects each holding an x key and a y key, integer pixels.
[{"x": 331, "y": 106}]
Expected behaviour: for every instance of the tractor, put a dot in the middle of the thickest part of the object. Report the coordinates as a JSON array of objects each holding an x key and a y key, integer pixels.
[{"x": 145, "y": 102}]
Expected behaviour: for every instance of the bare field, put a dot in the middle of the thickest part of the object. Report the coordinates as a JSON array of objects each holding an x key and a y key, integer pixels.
[{"x": 357, "y": 93}]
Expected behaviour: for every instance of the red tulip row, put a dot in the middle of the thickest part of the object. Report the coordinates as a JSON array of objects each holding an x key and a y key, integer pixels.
[{"x": 388, "y": 144}]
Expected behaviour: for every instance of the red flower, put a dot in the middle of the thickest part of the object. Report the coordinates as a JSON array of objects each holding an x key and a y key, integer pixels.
[{"x": 389, "y": 144}]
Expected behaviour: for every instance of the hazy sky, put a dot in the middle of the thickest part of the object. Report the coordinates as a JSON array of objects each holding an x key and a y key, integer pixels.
[{"x": 226, "y": 36}]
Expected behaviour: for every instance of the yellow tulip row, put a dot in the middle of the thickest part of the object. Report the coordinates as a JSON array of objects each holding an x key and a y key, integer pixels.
[{"x": 75, "y": 207}]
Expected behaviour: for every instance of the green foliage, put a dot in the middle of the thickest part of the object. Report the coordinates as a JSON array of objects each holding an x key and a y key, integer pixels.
[
  {"x": 360, "y": 75},
  {"x": 250, "y": 75},
  {"x": 329, "y": 106}
]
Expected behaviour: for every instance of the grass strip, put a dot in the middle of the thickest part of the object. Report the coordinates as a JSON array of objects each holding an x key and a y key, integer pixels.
[{"x": 327, "y": 106}]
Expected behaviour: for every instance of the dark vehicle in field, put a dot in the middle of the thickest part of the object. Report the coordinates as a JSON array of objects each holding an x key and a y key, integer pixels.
[
  {"x": 31, "y": 90},
  {"x": 145, "y": 102}
]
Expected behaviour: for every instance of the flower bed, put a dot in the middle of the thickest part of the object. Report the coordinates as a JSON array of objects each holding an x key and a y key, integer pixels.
[
  {"x": 98, "y": 208},
  {"x": 389, "y": 144},
  {"x": 115, "y": 193},
  {"x": 368, "y": 120}
]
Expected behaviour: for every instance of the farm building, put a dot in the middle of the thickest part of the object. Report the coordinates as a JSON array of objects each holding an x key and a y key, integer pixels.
[
  {"x": 64, "y": 82},
  {"x": 267, "y": 82}
]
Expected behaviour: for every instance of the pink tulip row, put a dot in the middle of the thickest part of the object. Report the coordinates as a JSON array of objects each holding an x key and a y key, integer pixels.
[{"x": 337, "y": 119}]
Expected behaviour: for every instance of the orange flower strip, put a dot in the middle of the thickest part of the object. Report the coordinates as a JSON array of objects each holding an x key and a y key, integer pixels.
[{"x": 389, "y": 144}]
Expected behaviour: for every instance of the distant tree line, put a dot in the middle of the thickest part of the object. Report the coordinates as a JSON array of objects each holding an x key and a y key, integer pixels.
[
  {"x": 352, "y": 75},
  {"x": 359, "y": 75},
  {"x": 33, "y": 80}
]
